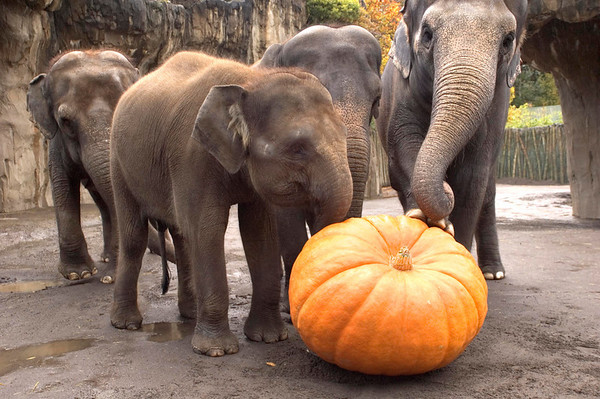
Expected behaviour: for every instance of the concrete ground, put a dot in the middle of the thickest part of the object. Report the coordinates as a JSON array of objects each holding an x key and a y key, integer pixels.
[{"x": 541, "y": 337}]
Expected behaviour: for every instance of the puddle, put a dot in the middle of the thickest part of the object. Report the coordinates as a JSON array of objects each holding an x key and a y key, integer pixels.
[
  {"x": 29, "y": 286},
  {"x": 36, "y": 355},
  {"x": 165, "y": 332}
]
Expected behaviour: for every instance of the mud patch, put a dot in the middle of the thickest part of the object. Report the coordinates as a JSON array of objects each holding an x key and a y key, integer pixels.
[
  {"x": 166, "y": 332},
  {"x": 36, "y": 355}
]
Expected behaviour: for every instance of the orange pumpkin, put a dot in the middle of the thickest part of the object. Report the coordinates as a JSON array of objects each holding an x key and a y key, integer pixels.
[{"x": 386, "y": 295}]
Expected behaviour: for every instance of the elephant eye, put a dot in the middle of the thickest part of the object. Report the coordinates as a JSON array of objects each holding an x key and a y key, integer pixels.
[
  {"x": 426, "y": 36},
  {"x": 297, "y": 151},
  {"x": 507, "y": 43}
]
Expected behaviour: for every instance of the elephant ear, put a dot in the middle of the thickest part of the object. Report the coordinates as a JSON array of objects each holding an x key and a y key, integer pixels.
[
  {"x": 514, "y": 69},
  {"x": 271, "y": 57},
  {"x": 401, "y": 52},
  {"x": 221, "y": 128},
  {"x": 39, "y": 105}
]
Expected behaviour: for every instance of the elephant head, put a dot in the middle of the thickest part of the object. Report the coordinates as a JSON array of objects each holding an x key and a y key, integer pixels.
[
  {"x": 347, "y": 61},
  {"x": 75, "y": 100},
  {"x": 285, "y": 132},
  {"x": 463, "y": 56}
]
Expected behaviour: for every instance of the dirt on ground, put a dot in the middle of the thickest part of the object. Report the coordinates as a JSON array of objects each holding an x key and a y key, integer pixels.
[{"x": 541, "y": 337}]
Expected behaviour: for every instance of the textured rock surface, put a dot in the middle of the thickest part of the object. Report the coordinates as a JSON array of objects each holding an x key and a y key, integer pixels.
[
  {"x": 33, "y": 31},
  {"x": 564, "y": 39}
]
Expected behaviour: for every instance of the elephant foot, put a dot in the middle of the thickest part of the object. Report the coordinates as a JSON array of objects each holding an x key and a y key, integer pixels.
[
  {"x": 443, "y": 224},
  {"x": 265, "y": 330},
  {"x": 126, "y": 317},
  {"x": 78, "y": 271},
  {"x": 493, "y": 272},
  {"x": 214, "y": 346}
]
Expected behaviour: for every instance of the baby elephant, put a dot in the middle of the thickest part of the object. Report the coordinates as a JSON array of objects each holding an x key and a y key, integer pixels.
[{"x": 193, "y": 138}]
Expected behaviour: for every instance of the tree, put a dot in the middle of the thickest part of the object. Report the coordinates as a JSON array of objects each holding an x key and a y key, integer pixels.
[
  {"x": 381, "y": 18},
  {"x": 535, "y": 88},
  {"x": 332, "y": 11}
]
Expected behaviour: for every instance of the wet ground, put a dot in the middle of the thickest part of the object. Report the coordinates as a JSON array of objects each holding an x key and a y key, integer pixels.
[{"x": 541, "y": 338}]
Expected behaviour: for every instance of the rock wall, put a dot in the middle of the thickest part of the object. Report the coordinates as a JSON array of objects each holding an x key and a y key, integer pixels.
[
  {"x": 564, "y": 39},
  {"x": 33, "y": 31}
]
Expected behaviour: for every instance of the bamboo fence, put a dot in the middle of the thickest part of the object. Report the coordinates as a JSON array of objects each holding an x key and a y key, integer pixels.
[{"x": 536, "y": 154}]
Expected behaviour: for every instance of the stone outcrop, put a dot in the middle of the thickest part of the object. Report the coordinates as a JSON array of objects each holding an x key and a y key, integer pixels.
[
  {"x": 33, "y": 31},
  {"x": 564, "y": 39}
]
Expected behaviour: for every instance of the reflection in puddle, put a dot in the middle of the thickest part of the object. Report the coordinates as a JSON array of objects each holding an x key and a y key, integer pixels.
[
  {"x": 30, "y": 286},
  {"x": 35, "y": 355},
  {"x": 165, "y": 332}
]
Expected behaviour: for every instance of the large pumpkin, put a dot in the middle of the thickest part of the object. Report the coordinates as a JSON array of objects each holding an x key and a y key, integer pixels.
[{"x": 386, "y": 295}]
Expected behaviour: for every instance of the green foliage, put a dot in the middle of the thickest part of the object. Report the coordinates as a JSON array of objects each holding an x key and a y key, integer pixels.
[
  {"x": 535, "y": 88},
  {"x": 332, "y": 11},
  {"x": 521, "y": 117}
]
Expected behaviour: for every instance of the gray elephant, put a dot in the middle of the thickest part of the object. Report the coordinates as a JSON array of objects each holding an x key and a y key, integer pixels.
[
  {"x": 193, "y": 138},
  {"x": 443, "y": 110},
  {"x": 73, "y": 106},
  {"x": 347, "y": 61}
]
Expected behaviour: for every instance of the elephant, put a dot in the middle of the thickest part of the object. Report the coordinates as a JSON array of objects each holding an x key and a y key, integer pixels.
[
  {"x": 444, "y": 105},
  {"x": 199, "y": 135},
  {"x": 73, "y": 106},
  {"x": 347, "y": 61}
]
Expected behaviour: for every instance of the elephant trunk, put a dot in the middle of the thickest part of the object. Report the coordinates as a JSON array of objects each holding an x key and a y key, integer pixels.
[
  {"x": 95, "y": 158},
  {"x": 359, "y": 153},
  {"x": 358, "y": 143},
  {"x": 463, "y": 89},
  {"x": 333, "y": 195}
]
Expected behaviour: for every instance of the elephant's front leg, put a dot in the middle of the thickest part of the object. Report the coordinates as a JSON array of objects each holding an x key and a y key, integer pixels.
[
  {"x": 291, "y": 229},
  {"x": 109, "y": 230},
  {"x": 486, "y": 235},
  {"x": 259, "y": 236},
  {"x": 75, "y": 262},
  {"x": 404, "y": 143},
  {"x": 212, "y": 336}
]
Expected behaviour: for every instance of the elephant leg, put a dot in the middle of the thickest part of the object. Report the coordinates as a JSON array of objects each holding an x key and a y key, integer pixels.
[
  {"x": 291, "y": 230},
  {"x": 186, "y": 298},
  {"x": 468, "y": 182},
  {"x": 486, "y": 236},
  {"x": 133, "y": 238},
  {"x": 109, "y": 231},
  {"x": 206, "y": 234},
  {"x": 75, "y": 262},
  {"x": 404, "y": 143},
  {"x": 259, "y": 236}
]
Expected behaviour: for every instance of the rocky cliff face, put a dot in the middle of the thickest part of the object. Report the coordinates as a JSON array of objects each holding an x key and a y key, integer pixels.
[
  {"x": 564, "y": 39},
  {"x": 33, "y": 31}
]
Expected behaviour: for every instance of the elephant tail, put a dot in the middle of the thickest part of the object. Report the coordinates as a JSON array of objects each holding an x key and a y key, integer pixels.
[{"x": 166, "y": 276}]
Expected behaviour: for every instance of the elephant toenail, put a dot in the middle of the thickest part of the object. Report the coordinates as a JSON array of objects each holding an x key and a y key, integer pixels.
[
  {"x": 86, "y": 274},
  {"x": 416, "y": 213},
  {"x": 106, "y": 280},
  {"x": 73, "y": 276},
  {"x": 488, "y": 276},
  {"x": 94, "y": 270},
  {"x": 499, "y": 275}
]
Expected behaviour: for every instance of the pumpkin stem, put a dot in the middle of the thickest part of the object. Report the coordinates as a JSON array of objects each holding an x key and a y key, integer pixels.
[{"x": 402, "y": 260}]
